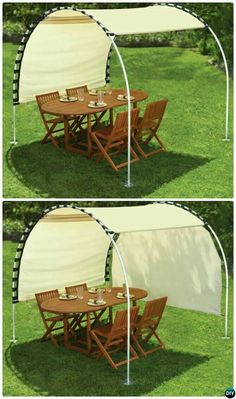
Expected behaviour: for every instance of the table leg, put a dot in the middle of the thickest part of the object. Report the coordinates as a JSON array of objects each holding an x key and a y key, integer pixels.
[
  {"x": 89, "y": 341},
  {"x": 135, "y": 104},
  {"x": 66, "y": 336},
  {"x": 67, "y": 145},
  {"x": 89, "y": 129},
  {"x": 66, "y": 132},
  {"x": 110, "y": 315},
  {"x": 111, "y": 117}
]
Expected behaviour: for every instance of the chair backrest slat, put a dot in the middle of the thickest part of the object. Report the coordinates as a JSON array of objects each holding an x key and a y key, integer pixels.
[
  {"x": 73, "y": 91},
  {"x": 45, "y": 98},
  {"x": 72, "y": 290},
  {"x": 43, "y": 296}
]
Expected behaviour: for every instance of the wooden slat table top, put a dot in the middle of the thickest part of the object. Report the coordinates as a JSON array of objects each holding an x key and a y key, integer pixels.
[
  {"x": 57, "y": 107},
  {"x": 58, "y": 306}
]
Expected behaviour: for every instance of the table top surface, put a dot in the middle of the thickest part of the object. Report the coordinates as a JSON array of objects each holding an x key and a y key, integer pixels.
[
  {"x": 58, "y": 306},
  {"x": 57, "y": 107}
]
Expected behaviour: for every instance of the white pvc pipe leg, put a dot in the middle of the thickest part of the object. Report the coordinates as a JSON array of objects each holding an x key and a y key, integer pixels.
[
  {"x": 128, "y": 381},
  {"x": 13, "y": 340},
  {"x": 14, "y": 126},
  {"x": 128, "y": 183},
  {"x": 227, "y": 85},
  {"x": 226, "y": 282}
]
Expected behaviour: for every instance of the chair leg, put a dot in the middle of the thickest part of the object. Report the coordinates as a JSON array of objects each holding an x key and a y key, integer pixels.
[
  {"x": 147, "y": 338},
  {"x": 104, "y": 153},
  {"x": 139, "y": 148},
  {"x": 103, "y": 350},
  {"x": 139, "y": 346},
  {"x": 160, "y": 142},
  {"x": 49, "y": 334},
  {"x": 110, "y": 315}
]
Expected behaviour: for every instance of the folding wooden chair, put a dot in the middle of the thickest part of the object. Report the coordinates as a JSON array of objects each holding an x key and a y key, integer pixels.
[
  {"x": 116, "y": 137},
  {"x": 51, "y": 321},
  {"x": 52, "y": 125},
  {"x": 147, "y": 324},
  {"x": 148, "y": 126},
  {"x": 115, "y": 335}
]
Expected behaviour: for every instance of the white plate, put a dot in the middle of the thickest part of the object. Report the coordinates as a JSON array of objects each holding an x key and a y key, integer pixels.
[
  {"x": 69, "y": 298},
  {"x": 90, "y": 105},
  {"x": 94, "y": 290},
  {"x": 124, "y": 98},
  {"x": 123, "y": 296},
  {"x": 66, "y": 100},
  {"x": 95, "y": 92},
  {"x": 96, "y": 304}
]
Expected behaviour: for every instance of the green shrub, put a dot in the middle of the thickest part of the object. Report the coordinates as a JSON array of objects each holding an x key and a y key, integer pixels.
[
  {"x": 12, "y": 229},
  {"x": 13, "y": 28}
]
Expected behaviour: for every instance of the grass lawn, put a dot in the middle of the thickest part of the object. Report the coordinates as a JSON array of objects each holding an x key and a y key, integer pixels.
[
  {"x": 196, "y": 362},
  {"x": 197, "y": 162}
]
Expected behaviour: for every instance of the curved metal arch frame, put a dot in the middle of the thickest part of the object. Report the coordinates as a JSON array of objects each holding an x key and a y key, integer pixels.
[
  {"x": 222, "y": 54},
  {"x": 17, "y": 262}
]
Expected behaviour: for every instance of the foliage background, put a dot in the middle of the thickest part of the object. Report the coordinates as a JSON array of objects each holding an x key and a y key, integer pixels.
[
  {"x": 219, "y": 16},
  {"x": 217, "y": 213}
]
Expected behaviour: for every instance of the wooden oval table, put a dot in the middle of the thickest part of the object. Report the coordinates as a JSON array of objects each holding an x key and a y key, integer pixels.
[
  {"x": 65, "y": 307},
  {"x": 81, "y": 108}
]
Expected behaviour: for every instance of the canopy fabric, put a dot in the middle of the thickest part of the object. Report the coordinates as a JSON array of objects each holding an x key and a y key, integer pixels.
[
  {"x": 62, "y": 250},
  {"x": 180, "y": 263},
  {"x": 68, "y": 49},
  {"x": 165, "y": 249},
  {"x": 156, "y": 18},
  {"x": 60, "y": 56},
  {"x": 123, "y": 219}
]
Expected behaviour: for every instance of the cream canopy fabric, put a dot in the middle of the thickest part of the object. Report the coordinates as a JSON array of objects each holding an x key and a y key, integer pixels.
[
  {"x": 156, "y": 18},
  {"x": 165, "y": 249},
  {"x": 59, "y": 56},
  {"x": 67, "y": 48},
  {"x": 181, "y": 263},
  {"x": 145, "y": 217},
  {"x": 64, "y": 248}
]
